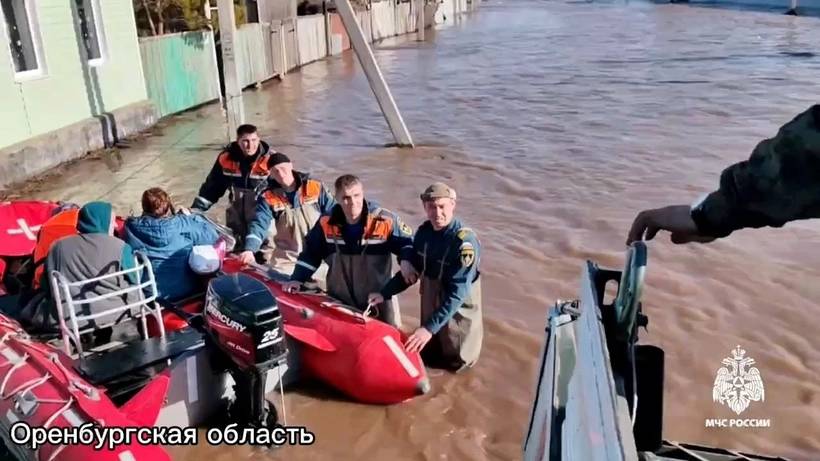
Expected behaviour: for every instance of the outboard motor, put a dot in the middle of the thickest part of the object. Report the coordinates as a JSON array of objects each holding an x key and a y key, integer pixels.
[{"x": 242, "y": 319}]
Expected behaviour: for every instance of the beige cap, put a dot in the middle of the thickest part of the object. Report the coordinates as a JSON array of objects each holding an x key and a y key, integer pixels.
[{"x": 438, "y": 190}]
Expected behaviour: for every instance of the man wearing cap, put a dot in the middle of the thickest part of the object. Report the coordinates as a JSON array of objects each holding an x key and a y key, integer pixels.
[
  {"x": 358, "y": 240},
  {"x": 447, "y": 255},
  {"x": 293, "y": 202},
  {"x": 241, "y": 169}
]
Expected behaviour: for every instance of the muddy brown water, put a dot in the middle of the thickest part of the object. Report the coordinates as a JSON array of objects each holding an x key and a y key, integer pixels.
[{"x": 556, "y": 122}]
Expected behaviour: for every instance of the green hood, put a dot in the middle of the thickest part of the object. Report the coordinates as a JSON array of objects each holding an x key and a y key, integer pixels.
[{"x": 94, "y": 218}]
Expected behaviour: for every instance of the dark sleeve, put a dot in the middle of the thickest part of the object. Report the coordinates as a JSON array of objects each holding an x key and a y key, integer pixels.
[
  {"x": 312, "y": 255},
  {"x": 45, "y": 278},
  {"x": 457, "y": 282},
  {"x": 258, "y": 229},
  {"x": 780, "y": 182},
  {"x": 400, "y": 241},
  {"x": 214, "y": 187},
  {"x": 52, "y": 261},
  {"x": 410, "y": 253},
  {"x": 394, "y": 286}
]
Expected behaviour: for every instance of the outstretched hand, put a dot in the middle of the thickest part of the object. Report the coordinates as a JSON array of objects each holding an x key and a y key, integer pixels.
[
  {"x": 675, "y": 219},
  {"x": 418, "y": 340}
]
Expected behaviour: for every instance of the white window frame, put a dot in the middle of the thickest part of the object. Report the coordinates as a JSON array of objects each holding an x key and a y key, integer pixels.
[
  {"x": 96, "y": 8},
  {"x": 33, "y": 15}
]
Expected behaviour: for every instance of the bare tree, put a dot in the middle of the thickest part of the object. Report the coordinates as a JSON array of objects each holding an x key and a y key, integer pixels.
[{"x": 158, "y": 17}]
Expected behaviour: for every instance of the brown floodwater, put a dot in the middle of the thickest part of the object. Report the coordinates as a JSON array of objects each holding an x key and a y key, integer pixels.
[{"x": 556, "y": 123}]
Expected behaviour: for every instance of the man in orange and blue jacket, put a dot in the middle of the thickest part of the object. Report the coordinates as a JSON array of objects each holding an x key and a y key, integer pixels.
[
  {"x": 357, "y": 240},
  {"x": 242, "y": 169}
]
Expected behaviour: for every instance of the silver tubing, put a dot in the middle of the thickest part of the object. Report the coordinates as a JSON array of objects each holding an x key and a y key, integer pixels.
[
  {"x": 157, "y": 311},
  {"x": 60, "y": 288}
]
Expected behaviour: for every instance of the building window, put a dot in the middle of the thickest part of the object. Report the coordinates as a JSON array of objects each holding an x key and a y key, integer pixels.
[
  {"x": 20, "y": 22},
  {"x": 88, "y": 13}
]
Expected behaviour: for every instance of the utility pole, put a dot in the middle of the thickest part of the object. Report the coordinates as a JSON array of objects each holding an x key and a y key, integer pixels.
[
  {"x": 208, "y": 9},
  {"x": 373, "y": 74},
  {"x": 420, "y": 20},
  {"x": 230, "y": 67}
]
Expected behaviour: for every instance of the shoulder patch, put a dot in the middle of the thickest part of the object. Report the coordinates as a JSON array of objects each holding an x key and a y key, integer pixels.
[
  {"x": 404, "y": 228},
  {"x": 467, "y": 254},
  {"x": 465, "y": 232}
]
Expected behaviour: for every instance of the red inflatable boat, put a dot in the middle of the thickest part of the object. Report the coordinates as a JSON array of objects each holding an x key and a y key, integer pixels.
[
  {"x": 166, "y": 379},
  {"x": 361, "y": 356},
  {"x": 40, "y": 391},
  {"x": 20, "y": 223}
]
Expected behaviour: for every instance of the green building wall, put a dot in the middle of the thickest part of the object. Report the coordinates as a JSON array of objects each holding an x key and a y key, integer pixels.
[{"x": 70, "y": 91}]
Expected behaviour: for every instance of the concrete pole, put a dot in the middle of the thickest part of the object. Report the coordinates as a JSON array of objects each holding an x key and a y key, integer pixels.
[
  {"x": 283, "y": 35},
  {"x": 208, "y": 9},
  {"x": 420, "y": 20},
  {"x": 328, "y": 29},
  {"x": 230, "y": 67},
  {"x": 370, "y": 39},
  {"x": 374, "y": 75}
]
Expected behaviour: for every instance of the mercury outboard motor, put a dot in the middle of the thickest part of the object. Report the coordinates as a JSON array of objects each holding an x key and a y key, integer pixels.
[{"x": 243, "y": 320}]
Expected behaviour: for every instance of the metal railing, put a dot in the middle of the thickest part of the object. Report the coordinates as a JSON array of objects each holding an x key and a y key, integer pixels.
[{"x": 61, "y": 291}]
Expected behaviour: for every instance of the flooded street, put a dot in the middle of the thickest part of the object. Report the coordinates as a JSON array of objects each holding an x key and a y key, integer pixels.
[{"x": 556, "y": 123}]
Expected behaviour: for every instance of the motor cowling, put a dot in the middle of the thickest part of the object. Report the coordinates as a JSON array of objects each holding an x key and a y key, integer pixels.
[{"x": 242, "y": 317}]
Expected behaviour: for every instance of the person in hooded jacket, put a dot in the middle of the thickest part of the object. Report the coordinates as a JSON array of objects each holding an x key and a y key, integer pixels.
[
  {"x": 167, "y": 240},
  {"x": 242, "y": 170},
  {"x": 92, "y": 253}
]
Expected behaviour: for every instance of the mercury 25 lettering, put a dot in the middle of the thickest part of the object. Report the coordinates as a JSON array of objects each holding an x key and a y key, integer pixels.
[
  {"x": 225, "y": 319},
  {"x": 269, "y": 338}
]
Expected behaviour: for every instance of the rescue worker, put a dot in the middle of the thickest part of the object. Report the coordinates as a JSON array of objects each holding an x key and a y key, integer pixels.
[
  {"x": 294, "y": 202},
  {"x": 358, "y": 240},
  {"x": 92, "y": 253},
  {"x": 780, "y": 182},
  {"x": 242, "y": 169},
  {"x": 167, "y": 239},
  {"x": 447, "y": 255}
]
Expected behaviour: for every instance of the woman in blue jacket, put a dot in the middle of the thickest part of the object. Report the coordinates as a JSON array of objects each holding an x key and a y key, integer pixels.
[{"x": 167, "y": 239}]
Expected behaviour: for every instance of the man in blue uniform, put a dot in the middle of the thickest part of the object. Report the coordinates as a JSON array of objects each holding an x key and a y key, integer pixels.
[
  {"x": 447, "y": 255},
  {"x": 357, "y": 240}
]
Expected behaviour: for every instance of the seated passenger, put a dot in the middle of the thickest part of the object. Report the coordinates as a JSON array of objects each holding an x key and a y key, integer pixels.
[
  {"x": 167, "y": 239},
  {"x": 93, "y": 253}
]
